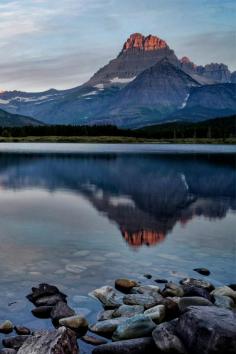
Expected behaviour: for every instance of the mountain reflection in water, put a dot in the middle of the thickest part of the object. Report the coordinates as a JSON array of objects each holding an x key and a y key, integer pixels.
[{"x": 145, "y": 195}]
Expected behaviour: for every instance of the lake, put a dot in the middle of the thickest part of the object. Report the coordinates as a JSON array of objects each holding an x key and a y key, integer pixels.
[{"x": 80, "y": 216}]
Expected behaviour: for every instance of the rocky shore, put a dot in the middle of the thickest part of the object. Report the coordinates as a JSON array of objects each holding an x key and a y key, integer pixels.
[{"x": 190, "y": 317}]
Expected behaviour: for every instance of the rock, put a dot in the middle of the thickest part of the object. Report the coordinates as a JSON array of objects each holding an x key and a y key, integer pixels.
[
  {"x": 125, "y": 285},
  {"x": 134, "y": 346},
  {"x": 24, "y": 331},
  {"x": 171, "y": 307},
  {"x": 93, "y": 340},
  {"x": 172, "y": 289},
  {"x": 6, "y": 327},
  {"x": 128, "y": 311},
  {"x": 42, "y": 311},
  {"x": 50, "y": 300},
  {"x": 44, "y": 290},
  {"x": 61, "y": 310},
  {"x": 191, "y": 290},
  {"x": 203, "y": 271},
  {"x": 208, "y": 330},
  {"x": 106, "y": 328},
  {"x": 14, "y": 342},
  {"x": 140, "y": 299},
  {"x": 78, "y": 324},
  {"x": 161, "y": 281},
  {"x": 166, "y": 339},
  {"x": 224, "y": 291},
  {"x": 193, "y": 301},
  {"x": 198, "y": 282},
  {"x": 156, "y": 313},
  {"x": 232, "y": 286},
  {"x": 224, "y": 301},
  {"x": 105, "y": 315},
  {"x": 60, "y": 341},
  {"x": 8, "y": 351},
  {"x": 107, "y": 296},
  {"x": 175, "y": 299},
  {"x": 148, "y": 276},
  {"x": 134, "y": 327},
  {"x": 151, "y": 290}
]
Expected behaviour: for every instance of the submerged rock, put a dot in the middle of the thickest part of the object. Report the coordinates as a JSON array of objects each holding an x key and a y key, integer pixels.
[
  {"x": 50, "y": 300},
  {"x": 186, "y": 302},
  {"x": 139, "y": 299},
  {"x": 224, "y": 301},
  {"x": 125, "y": 285},
  {"x": 172, "y": 289},
  {"x": 93, "y": 340},
  {"x": 161, "y": 281},
  {"x": 105, "y": 315},
  {"x": 134, "y": 327},
  {"x": 128, "y": 311},
  {"x": 6, "y": 327},
  {"x": 208, "y": 330},
  {"x": 14, "y": 342},
  {"x": 43, "y": 290},
  {"x": 79, "y": 324},
  {"x": 202, "y": 271},
  {"x": 60, "y": 341},
  {"x": 224, "y": 291},
  {"x": 166, "y": 340},
  {"x": 198, "y": 282},
  {"x": 106, "y": 328},
  {"x": 152, "y": 290},
  {"x": 134, "y": 346},
  {"x": 191, "y": 290},
  {"x": 22, "y": 330},
  {"x": 148, "y": 276},
  {"x": 156, "y": 313},
  {"x": 107, "y": 296},
  {"x": 61, "y": 310},
  {"x": 42, "y": 311}
]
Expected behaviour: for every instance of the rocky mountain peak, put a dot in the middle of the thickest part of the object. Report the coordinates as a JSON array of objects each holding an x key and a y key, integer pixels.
[{"x": 137, "y": 41}]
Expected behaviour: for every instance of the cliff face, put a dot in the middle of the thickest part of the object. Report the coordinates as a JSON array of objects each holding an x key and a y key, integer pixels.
[{"x": 140, "y": 42}]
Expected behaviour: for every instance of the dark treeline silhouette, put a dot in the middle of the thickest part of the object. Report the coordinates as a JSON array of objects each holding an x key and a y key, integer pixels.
[{"x": 214, "y": 128}]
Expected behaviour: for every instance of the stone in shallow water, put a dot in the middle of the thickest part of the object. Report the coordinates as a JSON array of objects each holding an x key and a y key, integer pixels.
[
  {"x": 191, "y": 290},
  {"x": 135, "y": 327},
  {"x": 50, "y": 300},
  {"x": 140, "y": 299},
  {"x": 161, "y": 281},
  {"x": 186, "y": 302},
  {"x": 166, "y": 340},
  {"x": 172, "y": 289},
  {"x": 128, "y": 311},
  {"x": 14, "y": 342},
  {"x": 43, "y": 290},
  {"x": 148, "y": 276},
  {"x": 224, "y": 291},
  {"x": 105, "y": 315},
  {"x": 203, "y": 271},
  {"x": 223, "y": 301},
  {"x": 93, "y": 340},
  {"x": 198, "y": 282},
  {"x": 42, "y": 311},
  {"x": 107, "y": 296},
  {"x": 61, "y": 310},
  {"x": 106, "y": 328},
  {"x": 78, "y": 324},
  {"x": 134, "y": 346},
  {"x": 6, "y": 327},
  {"x": 208, "y": 330},
  {"x": 125, "y": 285},
  {"x": 156, "y": 313},
  {"x": 171, "y": 307},
  {"x": 22, "y": 330},
  {"x": 61, "y": 341},
  {"x": 152, "y": 290}
]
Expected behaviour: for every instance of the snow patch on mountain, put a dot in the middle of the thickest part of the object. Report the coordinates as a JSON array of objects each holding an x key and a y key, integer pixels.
[{"x": 117, "y": 80}]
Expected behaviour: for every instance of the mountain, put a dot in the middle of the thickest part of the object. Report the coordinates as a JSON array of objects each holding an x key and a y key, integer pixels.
[{"x": 15, "y": 120}]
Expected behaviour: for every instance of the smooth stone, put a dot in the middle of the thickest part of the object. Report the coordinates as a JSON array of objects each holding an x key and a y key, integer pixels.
[
  {"x": 198, "y": 282},
  {"x": 135, "y": 327},
  {"x": 78, "y": 324},
  {"x": 224, "y": 291},
  {"x": 172, "y": 289},
  {"x": 202, "y": 271},
  {"x": 24, "y": 331},
  {"x": 8, "y": 351},
  {"x": 14, "y": 342},
  {"x": 125, "y": 285},
  {"x": 148, "y": 276},
  {"x": 105, "y": 315},
  {"x": 191, "y": 290},
  {"x": 161, "y": 281},
  {"x": 61, "y": 310},
  {"x": 140, "y": 299},
  {"x": 208, "y": 330},
  {"x": 152, "y": 290},
  {"x": 50, "y": 300},
  {"x": 171, "y": 307},
  {"x": 176, "y": 299},
  {"x": 106, "y": 328},
  {"x": 42, "y": 311},
  {"x": 156, "y": 313},
  {"x": 43, "y": 290},
  {"x": 134, "y": 346},
  {"x": 128, "y": 311},
  {"x": 6, "y": 327},
  {"x": 107, "y": 296},
  {"x": 60, "y": 341},
  {"x": 224, "y": 301},
  {"x": 166, "y": 340},
  {"x": 193, "y": 301},
  {"x": 93, "y": 340}
]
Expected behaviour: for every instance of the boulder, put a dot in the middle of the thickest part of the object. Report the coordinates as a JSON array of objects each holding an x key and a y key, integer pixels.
[
  {"x": 78, "y": 324},
  {"x": 208, "y": 330},
  {"x": 134, "y": 346},
  {"x": 156, "y": 313},
  {"x": 191, "y": 290},
  {"x": 107, "y": 296},
  {"x": 148, "y": 276},
  {"x": 135, "y": 327},
  {"x": 171, "y": 308},
  {"x": 166, "y": 340},
  {"x": 42, "y": 311},
  {"x": 202, "y": 271},
  {"x": 105, "y": 315},
  {"x": 61, "y": 310},
  {"x": 6, "y": 327},
  {"x": 139, "y": 299},
  {"x": 125, "y": 285},
  {"x": 14, "y": 342},
  {"x": 128, "y": 311},
  {"x": 60, "y": 341},
  {"x": 24, "y": 331},
  {"x": 224, "y": 301},
  {"x": 224, "y": 291},
  {"x": 43, "y": 290},
  {"x": 106, "y": 328},
  {"x": 93, "y": 340},
  {"x": 186, "y": 302},
  {"x": 50, "y": 300},
  {"x": 198, "y": 282},
  {"x": 172, "y": 289},
  {"x": 161, "y": 281}
]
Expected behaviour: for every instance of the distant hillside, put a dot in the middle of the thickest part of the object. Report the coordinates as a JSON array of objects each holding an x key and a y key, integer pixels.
[{"x": 16, "y": 120}]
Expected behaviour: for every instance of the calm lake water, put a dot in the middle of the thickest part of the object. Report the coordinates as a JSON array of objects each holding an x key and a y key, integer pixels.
[{"x": 79, "y": 216}]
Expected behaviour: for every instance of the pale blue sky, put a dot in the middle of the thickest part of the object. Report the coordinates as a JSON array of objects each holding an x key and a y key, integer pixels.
[{"x": 61, "y": 43}]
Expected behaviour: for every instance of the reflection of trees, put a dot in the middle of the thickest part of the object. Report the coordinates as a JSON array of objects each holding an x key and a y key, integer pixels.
[{"x": 158, "y": 191}]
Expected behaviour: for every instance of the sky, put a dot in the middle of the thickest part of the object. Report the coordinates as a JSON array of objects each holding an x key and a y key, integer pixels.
[{"x": 61, "y": 43}]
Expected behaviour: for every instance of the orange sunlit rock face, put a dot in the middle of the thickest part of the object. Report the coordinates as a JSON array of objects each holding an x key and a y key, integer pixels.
[
  {"x": 143, "y": 237},
  {"x": 149, "y": 43}
]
